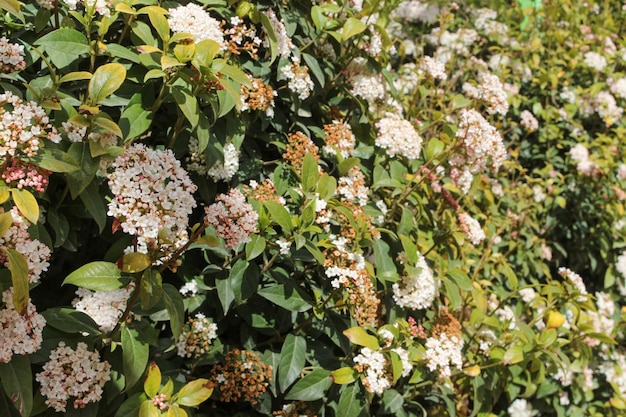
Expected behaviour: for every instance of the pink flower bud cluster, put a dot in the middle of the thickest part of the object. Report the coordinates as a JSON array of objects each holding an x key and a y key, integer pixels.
[
  {"x": 233, "y": 219},
  {"x": 76, "y": 373},
  {"x": 20, "y": 174},
  {"x": 152, "y": 194},
  {"x": 20, "y": 333}
]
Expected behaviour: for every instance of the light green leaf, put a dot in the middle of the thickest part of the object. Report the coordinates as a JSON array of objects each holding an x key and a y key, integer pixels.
[
  {"x": 64, "y": 46},
  {"x": 134, "y": 356},
  {"x": 358, "y": 336},
  {"x": 56, "y": 160},
  {"x": 292, "y": 360},
  {"x": 16, "y": 378},
  {"x": 26, "y": 203},
  {"x": 352, "y": 27},
  {"x": 310, "y": 172},
  {"x": 107, "y": 125},
  {"x": 97, "y": 276},
  {"x": 461, "y": 278},
  {"x": 194, "y": 393},
  {"x": 148, "y": 409},
  {"x": 106, "y": 80},
  {"x": 312, "y": 387},
  {"x": 255, "y": 247},
  {"x": 6, "y": 220},
  {"x": 188, "y": 104},
  {"x": 280, "y": 215},
  {"x": 76, "y": 76},
  {"x": 19, "y": 278},
  {"x": 176, "y": 411},
  {"x": 12, "y": 6},
  {"x": 345, "y": 375}
]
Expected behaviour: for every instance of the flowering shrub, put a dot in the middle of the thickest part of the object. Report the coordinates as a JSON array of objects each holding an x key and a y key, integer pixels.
[{"x": 312, "y": 208}]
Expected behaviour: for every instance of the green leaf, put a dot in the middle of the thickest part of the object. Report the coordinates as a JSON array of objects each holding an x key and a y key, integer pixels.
[
  {"x": 97, "y": 276},
  {"x": 135, "y": 121},
  {"x": 12, "y": 6},
  {"x": 16, "y": 378},
  {"x": 26, "y": 203},
  {"x": 188, "y": 104},
  {"x": 64, "y": 46},
  {"x": 255, "y": 247},
  {"x": 358, "y": 336},
  {"x": 175, "y": 411},
  {"x": 461, "y": 278},
  {"x": 315, "y": 68},
  {"x": 79, "y": 180},
  {"x": 131, "y": 406},
  {"x": 286, "y": 297},
  {"x": 392, "y": 401},
  {"x": 231, "y": 72},
  {"x": 95, "y": 204},
  {"x": 106, "y": 80},
  {"x": 148, "y": 409},
  {"x": 292, "y": 360},
  {"x": 385, "y": 267},
  {"x": 70, "y": 320},
  {"x": 175, "y": 308},
  {"x": 158, "y": 20},
  {"x": 271, "y": 35},
  {"x": 352, "y": 27},
  {"x": 310, "y": 172},
  {"x": 60, "y": 225},
  {"x": 107, "y": 125},
  {"x": 134, "y": 356},
  {"x": 513, "y": 355},
  {"x": 194, "y": 393},
  {"x": 19, "y": 278},
  {"x": 153, "y": 380},
  {"x": 56, "y": 160},
  {"x": 434, "y": 148},
  {"x": 280, "y": 215},
  {"x": 134, "y": 262},
  {"x": 312, "y": 387},
  {"x": 347, "y": 164},
  {"x": 453, "y": 293},
  {"x": 351, "y": 401},
  {"x": 151, "y": 288},
  {"x": 7, "y": 409}
]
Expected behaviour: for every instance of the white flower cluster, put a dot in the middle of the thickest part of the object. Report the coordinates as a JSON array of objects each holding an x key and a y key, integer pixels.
[
  {"x": 613, "y": 370},
  {"x": 491, "y": 91},
  {"x": 618, "y": 87},
  {"x": 104, "y": 307},
  {"x": 73, "y": 373},
  {"x": 374, "y": 367},
  {"x": 11, "y": 56},
  {"x": 435, "y": 69},
  {"x": 417, "y": 11},
  {"x": 575, "y": 279},
  {"x": 298, "y": 79},
  {"x": 416, "y": 290},
  {"x": 486, "y": 22},
  {"x": 352, "y": 187},
  {"x": 472, "y": 229},
  {"x": 196, "y": 337},
  {"x": 152, "y": 193},
  {"x": 580, "y": 155},
  {"x": 194, "y": 20},
  {"x": 606, "y": 106},
  {"x": 398, "y": 137},
  {"x": 520, "y": 408},
  {"x": 595, "y": 60},
  {"x": 285, "y": 45},
  {"x": 343, "y": 275},
  {"x": 528, "y": 121},
  {"x": 20, "y": 333},
  {"x": 366, "y": 85},
  {"x": 17, "y": 237},
  {"x": 444, "y": 352},
  {"x": 102, "y": 7},
  {"x": 234, "y": 220},
  {"x": 620, "y": 266},
  {"x": 452, "y": 44},
  {"x": 224, "y": 171},
  {"x": 481, "y": 143},
  {"x": 22, "y": 126}
]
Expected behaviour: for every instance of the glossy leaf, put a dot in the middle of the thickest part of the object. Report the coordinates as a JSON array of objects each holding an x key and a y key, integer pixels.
[
  {"x": 106, "y": 80},
  {"x": 358, "y": 336},
  {"x": 70, "y": 320},
  {"x": 312, "y": 387},
  {"x": 255, "y": 247},
  {"x": 351, "y": 401},
  {"x": 134, "y": 356},
  {"x": 16, "y": 378},
  {"x": 19, "y": 278},
  {"x": 64, "y": 46},
  {"x": 279, "y": 214},
  {"x": 26, "y": 203},
  {"x": 151, "y": 288},
  {"x": 175, "y": 308},
  {"x": 194, "y": 393},
  {"x": 352, "y": 27},
  {"x": 56, "y": 160},
  {"x": 286, "y": 297},
  {"x": 97, "y": 276},
  {"x": 345, "y": 375},
  {"x": 292, "y": 360},
  {"x": 153, "y": 380}
]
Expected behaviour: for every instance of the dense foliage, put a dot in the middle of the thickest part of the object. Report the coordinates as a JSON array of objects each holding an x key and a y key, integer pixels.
[{"x": 300, "y": 208}]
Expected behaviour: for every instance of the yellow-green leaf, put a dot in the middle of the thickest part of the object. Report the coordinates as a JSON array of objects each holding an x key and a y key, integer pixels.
[
  {"x": 153, "y": 380},
  {"x": 108, "y": 125},
  {"x": 169, "y": 62},
  {"x": 359, "y": 336},
  {"x": 194, "y": 393},
  {"x": 19, "y": 278},
  {"x": 352, "y": 27},
  {"x": 148, "y": 409},
  {"x": 345, "y": 375},
  {"x": 134, "y": 262},
  {"x": 6, "y": 220},
  {"x": 176, "y": 411},
  {"x": 105, "y": 81},
  {"x": 26, "y": 203},
  {"x": 4, "y": 194},
  {"x": 12, "y": 6},
  {"x": 76, "y": 76}
]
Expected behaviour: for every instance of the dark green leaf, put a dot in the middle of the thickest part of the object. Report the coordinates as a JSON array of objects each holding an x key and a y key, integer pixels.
[
  {"x": 80, "y": 179},
  {"x": 312, "y": 387},
  {"x": 95, "y": 204},
  {"x": 292, "y": 360},
  {"x": 151, "y": 288},
  {"x": 255, "y": 247},
  {"x": 134, "y": 356},
  {"x": 188, "y": 104},
  {"x": 351, "y": 401},
  {"x": 279, "y": 214},
  {"x": 286, "y": 297},
  {"x": 70, "y": 321},
  {"x": 175, "y": 308},
  {"x": 135, "y": 120},
  {"x": 16, "y": 378}
]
